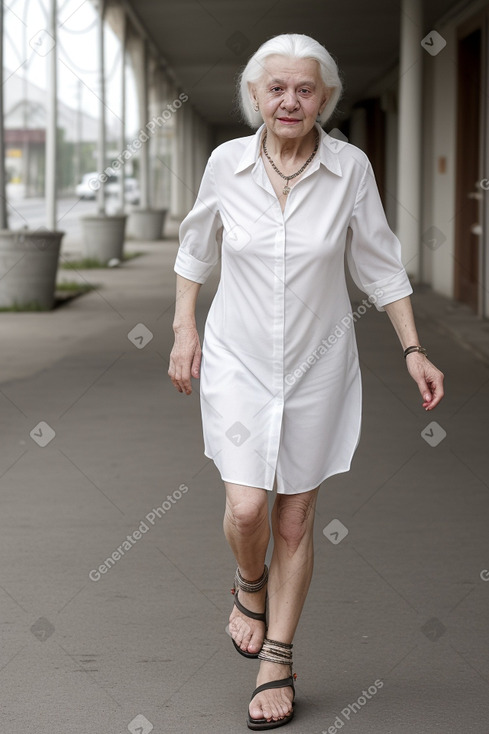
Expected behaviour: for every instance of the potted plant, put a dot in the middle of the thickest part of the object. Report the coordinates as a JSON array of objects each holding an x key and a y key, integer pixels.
[
  {"x": 147, "y": 224},
  {"x": 146, "y": 221},
  {"x": 29, "y": 258},
  {"x": 28, "y": 268},
  {"x": 103, "y": 234}
]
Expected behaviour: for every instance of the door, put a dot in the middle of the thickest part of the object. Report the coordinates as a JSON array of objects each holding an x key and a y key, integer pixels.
[{"x": 468, "y": 221}]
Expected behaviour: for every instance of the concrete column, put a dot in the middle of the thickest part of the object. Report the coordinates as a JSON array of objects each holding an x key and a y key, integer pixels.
[
  {"x": 199, "y": 138},
  {"x": 52, "y": 125},
  {"x": 189, "y": 191},
  {"x": 156, "y": 92},
  {"x": 158, "y": 140},
  {"x": 358, "y": 127},
  {"x": 158, "y": 99},
  {"x": 143, "y": 119},
  {"x": 122, "y": 172},
  {"x": 102, "y": 141},
  {"x": 3, "y": 203},
  {"x": 205, "y": 148},
  {"x": 409, "y": 148},
  {"x": 173, "y": 163},
  {"x": 178, "y": 199},
  {"x": 389, "y": 106}
]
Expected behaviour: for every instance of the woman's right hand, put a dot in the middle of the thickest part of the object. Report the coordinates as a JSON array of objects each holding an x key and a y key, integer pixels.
[{"x": 185, "y": 358}]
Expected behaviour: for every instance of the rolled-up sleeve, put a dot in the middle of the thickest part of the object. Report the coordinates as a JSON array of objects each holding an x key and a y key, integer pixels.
[
  {"x": 200, "y": 233},
  {"x": 373, "y": 251}
]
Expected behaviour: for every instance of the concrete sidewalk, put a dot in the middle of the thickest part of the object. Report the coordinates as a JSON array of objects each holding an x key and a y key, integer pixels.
[{"x": 102, "y": 457}]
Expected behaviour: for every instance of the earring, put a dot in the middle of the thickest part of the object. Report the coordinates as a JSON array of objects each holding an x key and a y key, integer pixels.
[{"x": 255, "y": 107}]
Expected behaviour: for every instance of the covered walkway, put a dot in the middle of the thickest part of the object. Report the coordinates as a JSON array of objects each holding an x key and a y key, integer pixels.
[{"x": 115, "y": 584}]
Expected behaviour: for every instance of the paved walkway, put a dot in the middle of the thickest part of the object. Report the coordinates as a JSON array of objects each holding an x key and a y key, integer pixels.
[{"x": 100, "y": 457}]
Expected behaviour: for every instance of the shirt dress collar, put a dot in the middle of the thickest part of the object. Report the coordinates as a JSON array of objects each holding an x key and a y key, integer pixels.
[{"x": 327, "y": 153}]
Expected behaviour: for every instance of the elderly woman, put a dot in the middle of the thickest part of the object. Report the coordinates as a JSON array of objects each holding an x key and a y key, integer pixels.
[{"x": 280, "y": 381}]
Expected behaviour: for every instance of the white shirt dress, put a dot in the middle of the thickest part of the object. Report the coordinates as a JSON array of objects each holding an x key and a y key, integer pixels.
[{"x": 280, "y": 380}]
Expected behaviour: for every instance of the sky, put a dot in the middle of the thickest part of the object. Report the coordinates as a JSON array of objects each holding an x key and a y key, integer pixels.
[{"x": 28, "y": 44}]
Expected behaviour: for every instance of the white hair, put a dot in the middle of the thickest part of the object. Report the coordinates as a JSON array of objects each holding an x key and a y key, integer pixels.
[{"x": 291, "y": 45}]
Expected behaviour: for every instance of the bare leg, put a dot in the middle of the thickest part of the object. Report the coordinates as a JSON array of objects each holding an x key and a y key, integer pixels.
[
  {"x": 247, "y": 531},
  {"x": 289, "y": 579}
]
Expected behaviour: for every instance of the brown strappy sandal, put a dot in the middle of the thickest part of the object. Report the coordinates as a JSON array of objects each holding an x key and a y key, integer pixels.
[
  {"x": 274, "y": 652},
  {"x": 249, "y": 587}
]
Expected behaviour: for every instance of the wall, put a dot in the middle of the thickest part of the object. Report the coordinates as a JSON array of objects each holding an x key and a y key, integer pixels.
[{"x": 439, "y": 148}]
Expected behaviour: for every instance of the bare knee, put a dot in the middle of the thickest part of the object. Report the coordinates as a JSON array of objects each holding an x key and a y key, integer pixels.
[
  {"x": 294, "y": 521},
  {"x": 246, "y": 516}
]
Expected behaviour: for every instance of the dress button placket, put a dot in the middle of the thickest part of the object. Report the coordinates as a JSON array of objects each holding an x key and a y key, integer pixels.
[{"x": 278, "y": 339}]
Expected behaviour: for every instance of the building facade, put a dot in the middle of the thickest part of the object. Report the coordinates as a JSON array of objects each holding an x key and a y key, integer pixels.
[{"x": 452, "y": 178}]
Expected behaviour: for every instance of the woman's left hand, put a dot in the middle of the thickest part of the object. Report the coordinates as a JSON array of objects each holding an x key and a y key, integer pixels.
[{"x": 428, "y": 378}]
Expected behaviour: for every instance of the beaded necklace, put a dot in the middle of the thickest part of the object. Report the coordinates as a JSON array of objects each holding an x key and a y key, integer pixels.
[{"x": 286, "y": 188}]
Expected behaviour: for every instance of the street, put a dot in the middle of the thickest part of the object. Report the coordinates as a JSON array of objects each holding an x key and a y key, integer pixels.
[
  {"x": 31, "y": 213},
  {"x": 102, "y": 461}
]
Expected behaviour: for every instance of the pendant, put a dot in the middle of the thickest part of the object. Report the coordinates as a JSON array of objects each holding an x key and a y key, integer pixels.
[{"x": 286, "y": 190}]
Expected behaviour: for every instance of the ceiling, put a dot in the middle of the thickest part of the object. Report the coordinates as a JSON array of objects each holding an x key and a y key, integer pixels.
[{"x": 207, "y": 42}]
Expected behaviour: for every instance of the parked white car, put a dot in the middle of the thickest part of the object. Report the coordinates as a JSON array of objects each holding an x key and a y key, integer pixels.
[
  {"x": 87, "y": 189},
  {"x": 90, "y": 184},
  {"x": 131, "y": 189},
  {"x": 132, "y": 194}
]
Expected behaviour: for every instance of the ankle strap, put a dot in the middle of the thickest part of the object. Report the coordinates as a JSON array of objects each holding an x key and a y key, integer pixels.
[
  {"x": 276, "y": 652},
  {"x": 251, "y": 586}
]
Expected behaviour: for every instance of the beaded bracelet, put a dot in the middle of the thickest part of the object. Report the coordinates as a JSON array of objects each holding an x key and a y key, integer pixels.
[{"x": 409, "y": 350}]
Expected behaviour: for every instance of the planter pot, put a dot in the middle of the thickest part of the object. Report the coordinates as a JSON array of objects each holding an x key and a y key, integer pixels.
[
  {"x": 28, "y": 267},
  {"x": 103, "y": 236},
  {"x": 147, "y": 224}
]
